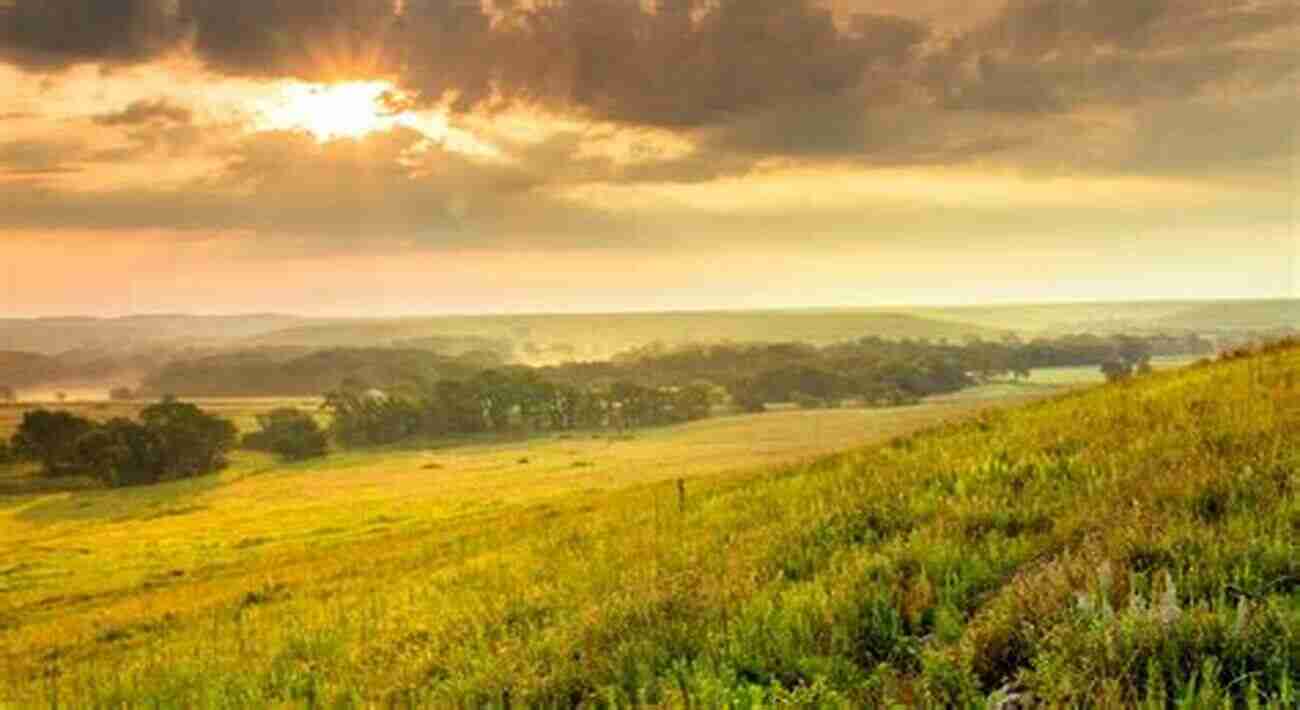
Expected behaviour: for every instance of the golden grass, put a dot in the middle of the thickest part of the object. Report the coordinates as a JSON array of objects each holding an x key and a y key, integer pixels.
[
  {"x": 78, "y": 562},
  {"x": 1131, "y": 544}
]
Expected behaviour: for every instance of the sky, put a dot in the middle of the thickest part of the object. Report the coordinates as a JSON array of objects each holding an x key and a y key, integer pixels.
[{"x": 399, "y": 157}]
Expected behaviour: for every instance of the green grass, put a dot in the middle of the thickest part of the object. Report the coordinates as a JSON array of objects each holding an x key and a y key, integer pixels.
[{"x": 1129, "y": 545}]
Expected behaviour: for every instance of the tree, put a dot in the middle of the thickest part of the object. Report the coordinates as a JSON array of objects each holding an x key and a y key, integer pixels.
[
  {"x": 1116, "y": 370},
  {"x": 1133, "y": 351},
  {"x": 746, "y": 396},
  {"x": 123, "y": 453},
  {"x": 51, "y": 438},
  {"x": 121, "y": 394},
  {"x": 291, "y": 434},
  {"x": 369, "y": 419},
  {"x": 194, "y": 443},
  {"x": 693, "y": 402},
  {"x": 7, "y": 394}
]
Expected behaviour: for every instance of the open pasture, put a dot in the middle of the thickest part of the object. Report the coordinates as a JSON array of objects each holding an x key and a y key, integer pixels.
[
  {"x": 80, "y": 563},
  {"x": 1110, "y": 547}
]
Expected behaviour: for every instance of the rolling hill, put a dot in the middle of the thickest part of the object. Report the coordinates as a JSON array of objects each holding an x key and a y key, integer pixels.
[
  {"x": 1129, "y": 545},
  {"x": 1138, "y": 316}
]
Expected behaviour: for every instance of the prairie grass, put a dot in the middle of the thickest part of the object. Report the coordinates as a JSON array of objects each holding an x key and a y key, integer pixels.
[{"x": 1132, "y": 545}]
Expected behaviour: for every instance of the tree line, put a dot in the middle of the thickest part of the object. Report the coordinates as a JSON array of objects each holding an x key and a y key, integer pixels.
[
  {"x": 516, "y": 399},
  {"x": 431, "y": 396},
  {"x": 656, "y": 386},
  {"x": 870, "y": 370}
]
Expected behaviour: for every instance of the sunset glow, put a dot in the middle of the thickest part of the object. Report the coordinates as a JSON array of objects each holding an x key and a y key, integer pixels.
[
  {"x": 330, "y": 111},
  {"x": 911, "y": 139}
]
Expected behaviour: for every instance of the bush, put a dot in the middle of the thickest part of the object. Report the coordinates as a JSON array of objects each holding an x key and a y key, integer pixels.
[
  {"x": 1116, "y": 370},
  {"x": 193, "y": 442},
  {"x": 290, "y": 434},
  {"x": 172, "y": 440},
  {"x": 123, "y": 453},
  {"x": 51, "y": 438}
]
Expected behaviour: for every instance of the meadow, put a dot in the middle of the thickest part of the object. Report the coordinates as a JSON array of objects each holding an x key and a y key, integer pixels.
[
  {"x": 75, "y": 557},
  {"x": 1124, "y": 545}
]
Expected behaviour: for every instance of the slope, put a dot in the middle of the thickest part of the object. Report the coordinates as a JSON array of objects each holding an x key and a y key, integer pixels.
[{"x": 1130, "y": 544}]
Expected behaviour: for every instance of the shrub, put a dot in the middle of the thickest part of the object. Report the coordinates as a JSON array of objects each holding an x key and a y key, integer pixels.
[
  {"x": 51, "y": 438},
  {"x": 289, "y": 433},
  {"x": 193, "y": 442},
  {"x": 123, "y": 453},
  {"x": 1116, "y": 370}
]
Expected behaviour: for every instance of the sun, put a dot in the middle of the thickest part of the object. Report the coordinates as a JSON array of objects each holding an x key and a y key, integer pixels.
[
  {"x": 330, "y": 111},
  {"x": 352, "y": 110}
]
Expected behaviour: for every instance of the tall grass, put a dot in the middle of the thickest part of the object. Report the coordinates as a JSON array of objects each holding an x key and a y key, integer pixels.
[{"x": 1129, "y": 546}]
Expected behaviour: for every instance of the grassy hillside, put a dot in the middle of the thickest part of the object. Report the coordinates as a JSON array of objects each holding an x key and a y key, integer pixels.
[{"x": 1130, "y": 544}]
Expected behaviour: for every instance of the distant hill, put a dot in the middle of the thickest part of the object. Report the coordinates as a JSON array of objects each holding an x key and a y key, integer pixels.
[
  {"x": 19, "y": 369},
  {"x": 265, "y": 372},
  {"x": 109, "y": 351},
  {"x": 56, "y": 335},
  {"x": 559, "y": 338},
  {"x": 1235, "y": 316},
  {"x": 1137, "y": 316}
]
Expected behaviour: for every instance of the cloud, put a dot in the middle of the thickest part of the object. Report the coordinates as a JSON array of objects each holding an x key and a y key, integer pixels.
[
  {"x": 1042, "y": 56},
  {"x": 55, "y": 34},
  {"x": 734, "y": 89},
  {"x": 391, "y": 190},
  {"x": 614, "y": 61},
  {"x": 314, "y": 39},
  {"x": 146, "y": 111},
  {"x": 38, "y": 157}
]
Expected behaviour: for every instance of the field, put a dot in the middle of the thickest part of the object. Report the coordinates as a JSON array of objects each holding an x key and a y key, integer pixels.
[
  {"x": 73, "y": 559},
  {"x": 1125, "y": 544}
]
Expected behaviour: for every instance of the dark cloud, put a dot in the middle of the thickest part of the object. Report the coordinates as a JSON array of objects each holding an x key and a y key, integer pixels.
[
  {"x": 315, "y": 39},
  {"x": 1053, "y": 55},
  {"x": 661, "y": 69},
  {"x": 684, "y": 66},
  {"x": 53, "y": 34},
  {"x": 744, "y": 81}
]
